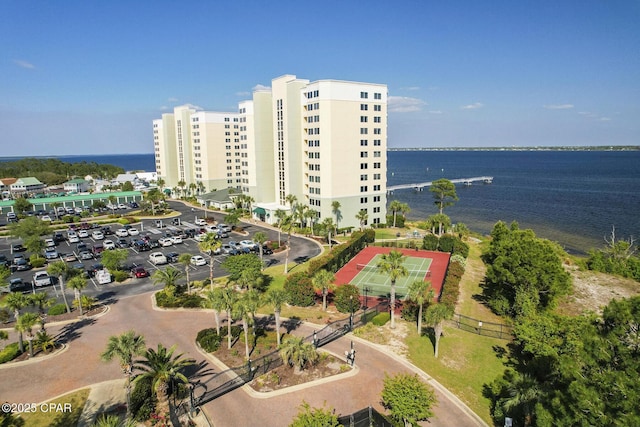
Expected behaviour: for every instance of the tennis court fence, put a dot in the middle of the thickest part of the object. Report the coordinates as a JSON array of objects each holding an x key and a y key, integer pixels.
[
  {"x": 488, "y": 329},
  {"x": 374, "y": 269}
]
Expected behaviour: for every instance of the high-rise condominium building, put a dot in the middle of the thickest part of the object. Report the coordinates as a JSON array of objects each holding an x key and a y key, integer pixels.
[{"x": 324, "y": 142}]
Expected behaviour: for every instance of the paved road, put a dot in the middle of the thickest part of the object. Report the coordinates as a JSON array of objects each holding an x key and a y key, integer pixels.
[{"x": 80, "y": 366}]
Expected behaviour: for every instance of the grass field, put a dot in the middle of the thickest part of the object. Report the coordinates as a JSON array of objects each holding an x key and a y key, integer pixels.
[{"x": 379, "y": 283}]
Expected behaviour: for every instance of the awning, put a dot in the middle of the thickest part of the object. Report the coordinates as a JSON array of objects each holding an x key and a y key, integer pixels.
[{"x": 259, "y": 211}]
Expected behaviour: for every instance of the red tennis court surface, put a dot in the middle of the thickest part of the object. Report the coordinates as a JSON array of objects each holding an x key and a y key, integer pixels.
[{"x": 438, "y": 267}]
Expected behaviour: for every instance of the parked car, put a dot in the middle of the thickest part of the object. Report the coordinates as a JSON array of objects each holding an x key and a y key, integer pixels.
[
  {"x": 58, "y": 237},
  {"x": 82, "y": 247},
  {"x": 93, "y": 269},
  {"x": 122, "y": 206},
  {"x": 172, "y": 256},
  {"x": 224, "y": 227},
  {"x": 41, "y": 278},
  {"x": 165, "y": 241},
  {"x": 72, "y": 237},
  {"x": 200, "y": 221},
  {"x": 20, "y": 264},
  {"x": 106, "y": 230},
  {"x": 97, "y": 235},
  {"x": 139, "y": 272},
  {"x": 17, "y": 285},
  {"x": 97, "y": 249},
  {"x": 266, "y": 250},
  {"x": 122, "y": 232},
  {"x": 176, "y": 240},
  {"x": 70, "y": 257},
  {"x": 51, "y": 253},
  {"x": 83, "y": 234},
  {"x": 198, "y": 260},
  {"x": 85, "y": 255},
  {"x": 140, "y": 246},
  {"x": 17, "y": 248},
  {"x": 157, "y": 258},
  {"x": 122, "y": 243},
  {"x": 133, "y": 232},
  {"x": 108, "y": 244}
]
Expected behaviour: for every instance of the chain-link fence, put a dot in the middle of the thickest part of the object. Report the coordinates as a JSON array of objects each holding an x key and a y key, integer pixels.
[
  {"x": 367, "y": 417},
  {"x": 488, "y": 329}
]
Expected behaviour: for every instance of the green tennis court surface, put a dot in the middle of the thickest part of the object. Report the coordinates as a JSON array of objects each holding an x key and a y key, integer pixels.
[{"x": 379, "y": 284}]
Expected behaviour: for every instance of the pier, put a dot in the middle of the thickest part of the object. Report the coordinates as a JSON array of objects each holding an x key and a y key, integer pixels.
[{"x": 420, "y": 186}]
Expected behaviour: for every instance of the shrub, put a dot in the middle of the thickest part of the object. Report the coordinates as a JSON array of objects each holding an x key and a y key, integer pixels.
[
  {"x": 347, "y": 298},
  {"x": 143, "y": 402},
  {"x": 209, "y": 340},
  {"x": 10, "y": 352},
  {"x": 430, "y": 242},
  {"x": 120, "y": 276},
  {"x": 299, "y": 289},
  {"x": 57, "y": 309},
  {"x": 381, "y": 318},
  {"x": 37, "y": 261}
]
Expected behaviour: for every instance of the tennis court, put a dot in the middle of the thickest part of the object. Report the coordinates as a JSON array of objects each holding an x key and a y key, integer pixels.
[{"x": 378, "y": 283}]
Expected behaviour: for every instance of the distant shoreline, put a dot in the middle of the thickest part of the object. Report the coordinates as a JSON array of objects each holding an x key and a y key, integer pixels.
[{"x": 534, "y": 148}]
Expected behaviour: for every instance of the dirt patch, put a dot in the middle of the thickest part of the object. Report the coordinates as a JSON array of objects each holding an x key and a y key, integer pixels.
[{"x": 592, "y": 291}]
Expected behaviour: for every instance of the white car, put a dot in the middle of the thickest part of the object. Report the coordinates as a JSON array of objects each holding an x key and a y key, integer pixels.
[
  {"x": 72, "y": 237},
  {"x": 97, "y": 235},
  {"x": 133, "y": 232},
  {"x": 109, "y": 244},
  {"x": 176, "y": 240},
  {"x": 249, "y": 244},
  {"x": 49, "y": 243},
  {"x": 165, "y": 241},
  {"x": 122, "y": 206},
  {"x": 122, "y": 232},
  {"x": 224, "y": 227},
  {"x": 198, "y": 260},
  {"x": 157, "y": 258},
  {"x": 83, "y": 233},
  {"x": 45, "y": 218}
]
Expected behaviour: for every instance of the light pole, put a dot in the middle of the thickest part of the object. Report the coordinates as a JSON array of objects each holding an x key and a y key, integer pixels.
[{"x": 366, "y": 291}]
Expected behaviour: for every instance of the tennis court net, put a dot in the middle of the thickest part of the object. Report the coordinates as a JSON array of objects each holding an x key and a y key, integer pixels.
[{"x": 374, "y": 269}]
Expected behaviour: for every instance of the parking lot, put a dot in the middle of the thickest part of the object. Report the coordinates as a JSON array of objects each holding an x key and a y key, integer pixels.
[{"x": 173, "y": 236}]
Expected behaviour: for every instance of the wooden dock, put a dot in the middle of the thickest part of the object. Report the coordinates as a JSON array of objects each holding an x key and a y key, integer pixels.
[{"x": 421, "y": 185}]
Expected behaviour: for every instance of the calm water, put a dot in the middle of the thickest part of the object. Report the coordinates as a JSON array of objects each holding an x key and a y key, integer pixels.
[{"x": 573, "y": 198}]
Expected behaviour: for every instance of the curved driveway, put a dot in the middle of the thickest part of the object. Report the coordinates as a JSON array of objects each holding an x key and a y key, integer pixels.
[{"x": 80, "y": 366}]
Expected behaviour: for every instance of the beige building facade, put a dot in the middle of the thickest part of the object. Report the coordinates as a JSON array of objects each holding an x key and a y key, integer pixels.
[{"x": 322, "y": 141}]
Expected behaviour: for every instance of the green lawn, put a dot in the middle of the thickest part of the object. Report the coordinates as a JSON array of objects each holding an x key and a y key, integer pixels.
[{"x": 57, "y": 415}]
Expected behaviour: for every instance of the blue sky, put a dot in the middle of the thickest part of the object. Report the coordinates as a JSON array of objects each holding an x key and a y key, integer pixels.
[{"x": 88, "y": 77}]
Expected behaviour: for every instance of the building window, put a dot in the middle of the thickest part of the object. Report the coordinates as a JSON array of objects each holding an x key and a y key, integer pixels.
[
  {"x": 363, "y": 119},
  {"x": 377, "y": 142},
  {"x": 377, "y": 119},
  {"x": 364, "y": 107},
  {"x": 364, "y": 166},
  {"x": 376, "y": 188},
  {"x": 363, "y": 177},
  {"x": 363, "y": 200},
  {"x": 364, "y": 142},
  {"x": 364, "y": 188},
  {"x": 377, "y": 96},
  {"x": 377, "y": 154},
  {"x": 364, "y": 131},
  {"x": 364, "y": 95},
  {"x": 376, "y": 176},
  {"x": 376, "y": 198},
  {"x": 364, "y": 154},
  {"x": 377, "y": 131},
  {"x": 376, "y": 165},
  {"x": 376, "y": 209},
  {"x": 377, "y": 108}
]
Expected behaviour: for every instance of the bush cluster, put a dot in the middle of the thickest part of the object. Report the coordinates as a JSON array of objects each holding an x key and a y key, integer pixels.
[
  {"x": 347, "y": 298},
  {"x": 209, "y": 340},
  {"x": 451, "y": 286},
  {"x": 57, "y": 309},
  {"x": 10, "y": 352},
  {"x": 166, "y": 300},
  {"x": 446, "y": 243},
  {"x": 299, "y": 289},
  {"x": 337, "y": 258},
  {"x": 381, "y": 319}
]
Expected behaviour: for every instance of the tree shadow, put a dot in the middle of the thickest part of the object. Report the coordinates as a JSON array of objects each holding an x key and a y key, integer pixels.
[
  {"x": 198, "y": 370},
  {"x": 291, "y": 324},
  {"x": 430, "y": 333},
  {"x": 107, "y": 298},
  {"x": 71, "y": 331},
  {"x": 499, "y": 351}
]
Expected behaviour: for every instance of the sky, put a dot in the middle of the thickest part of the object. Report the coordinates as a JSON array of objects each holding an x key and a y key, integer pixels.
[{"x": 88, "y": 77}]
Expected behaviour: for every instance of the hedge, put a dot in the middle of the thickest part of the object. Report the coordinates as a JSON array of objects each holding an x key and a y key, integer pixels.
[
  {"x": 451, "y": 286},
  {"x": 342, "y": 254},
  {"x": 381, "y": 318},
  {"x": 299, "y": 289},
  {"x": 57, "y": 309},
  {"x": 10, "y": 352},
  {"x": 209, "y": 340}
]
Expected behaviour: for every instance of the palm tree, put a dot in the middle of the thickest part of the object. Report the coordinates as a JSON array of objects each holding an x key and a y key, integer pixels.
[
  {"x": 160, "y": 182},
  {"x": 287, "y": 225},
  {"x": 229, "y": 297},
  {"x": 280, "y": 216},
  {"x": 45, "y": 341},
  {"x": 322, "y": 281},
  {"x": 311, "y": 215},
  {"x": 276, "y": 298},
  {"x": 164, "y": 369},
  {"x": 55, "y": 206},
  {"x": 435, "y": 316},
  {"x": 250, "y": 201},
  {"x": 192, "y": 188},
  {"x": 328, "y": 226},
  {"x": 201, "y": 187},
  {"x": 41, "y": 300},
  {"x": 394, "y": 207},
  {"x": 244, "y": 309},
  {"x": 210, "y": 245},
  {"x": 362, "y": 216},
  {"x": 335, "y": 208},
  {"x": 404, "y": 209},
  {"x": 182, "y": 184},
  {"x": 110, "y": 420},
  {"x": 215, "y": 301},
  {"x": 260, "y": 238},
  {"x": 291, "y": 199},
  {"x": 61, "y": 270},
  {"x": 24, "y": 324},
  {"x": 422, "y": 293},
  {"x": 16, "y": 301},
  {"x": 78, "y": 283},
  {"x": 112, "y": 202},
  {"x": 524, "y": 392},
  {"x": 185, "y": 260},
  {"x": 168, "y": 277},
  {"x": 392, "y": 265},
  {"x": 296, "y": 352},
  {"x": 125, "y": 347}
]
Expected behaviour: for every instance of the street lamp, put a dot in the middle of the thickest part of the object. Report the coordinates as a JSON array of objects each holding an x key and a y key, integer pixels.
[{"x": 366, "y": 291}]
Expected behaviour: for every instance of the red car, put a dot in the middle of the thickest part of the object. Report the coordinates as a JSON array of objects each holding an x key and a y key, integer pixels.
[{"x": 139, "y": 272}]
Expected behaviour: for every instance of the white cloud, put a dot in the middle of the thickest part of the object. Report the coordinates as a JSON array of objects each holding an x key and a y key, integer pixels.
[
  {"x": 24, "y": 64},
  {"x": 473, "y": 106},
  {"x": 404, "y": 104},
  {"x": 172, "y": 99},
  {"x": 435, "y": 112},
  {"x": 164, "y": 108},
  {"x": 559, "y": 106},
  {"x": 243, "y": 94},
  {"x": 261, "y": 87},
  {"x": 411, "y": 88},
  {"x": 605, "y": 119}
]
